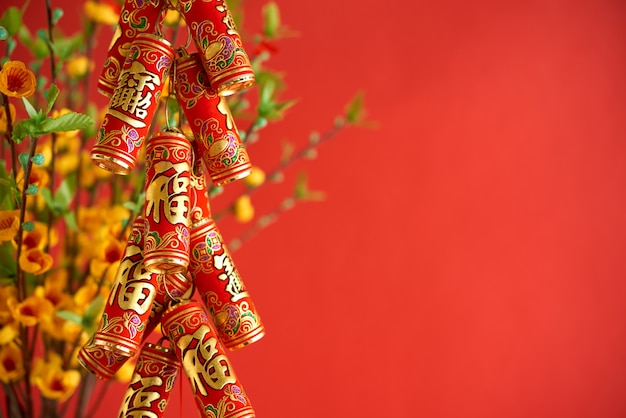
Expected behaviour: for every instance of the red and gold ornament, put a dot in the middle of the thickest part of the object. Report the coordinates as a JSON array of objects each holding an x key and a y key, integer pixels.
[
  {"x": 126, "y": 313},
  {"x": 221, "y": 49},
  {"x": 211, "y": 122},
  {"x": 133, "y": 104},
  {"x": 167, "y": 208},
  {"x": 137, "y": 16},
  {"x": 149, "y": 390},
  {"x": 215, "y": 386},
  {"x": 221, "y": 288}
]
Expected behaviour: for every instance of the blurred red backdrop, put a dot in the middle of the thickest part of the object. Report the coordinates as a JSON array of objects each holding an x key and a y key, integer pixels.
[{"x": 468, "y": 260}]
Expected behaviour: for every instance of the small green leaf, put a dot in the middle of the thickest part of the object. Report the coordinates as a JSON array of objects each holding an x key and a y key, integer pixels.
[
  {"x": 11, "y": 44},
  {"x": 4, "y": 33},
  {"x": 38, "y": 159},
  {"x": 24, "y": 128},
  {"x": 23, "y": 157},
  {"x": 70, "y": 221},
  {"x": 70, "y": 316},
  {"x": 271, "y": 19},
  {"x": 28, "y": 226},
  {"x": 6, "y": 189},
  {"x": 65, "y": 193},
  {"x": 12, "y": 20},
  {"x": 67, "y": 122},
  {"x": 40, "y": 48},
  {"x": 93, "y": 310},
  {"x": 57, "y": 14},
  {"x": 47, "y": 197},
  {"x": 32, "y": 113},
  {"x": 354, "y": 109},
  {"x": 51, "y": 96},
  {"x": 32, "y": 189}
]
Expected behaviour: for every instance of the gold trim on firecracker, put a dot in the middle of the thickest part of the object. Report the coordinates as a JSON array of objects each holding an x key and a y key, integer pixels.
[
  {"x": 165, "y": 265},
  {"x": 125, "y": 118},
  {"x": 245, "y": 69},
  {"x": 247, "y": 412},
  {"x": 231, "y": 175},
  {"x": 247, "y": 339},
  {"x": 112, "y": 164},
  {"x": 189, "y": 60},
  {"x": 116, "y": 344},
  {"x": 101, "y": 373},
  {"x": 202, "y": 227},
  {"x": 163, "y": 354},
  {"x": 234, "y": 86},
  {"x": 109, "y": 86},
  {"x": 159, "y": 42}
]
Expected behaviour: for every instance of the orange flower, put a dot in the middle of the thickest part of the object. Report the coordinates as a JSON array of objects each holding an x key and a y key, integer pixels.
[
  {"x": 38, "y": 237},
  {"x": 101, "y": 13},
  {"x": 243, "y": 209},
  {"x": 32, "y": 310},
  {"x": 11, "y": 364},
  {"x": 35, "y": 261},
  {"x": 52, "y": 380},
  {"x": 3, "y": 117},
  {"x": 78, "y": 66},
  {"x": 16, "y": 80},
  {"x": 6, "y": 292},
  {"x": 9, "y": 224}
]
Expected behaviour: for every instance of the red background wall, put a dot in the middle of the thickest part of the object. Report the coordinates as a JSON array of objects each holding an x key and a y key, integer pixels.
[{"x": 468, "y": 260}]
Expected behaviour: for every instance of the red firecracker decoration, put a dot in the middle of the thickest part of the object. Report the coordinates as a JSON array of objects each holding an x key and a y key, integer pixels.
[
  {"x": 167, "y": 207},
  {"x": 217, "y": 391},
  {"x": 133, "y": 104},
  {"x": 211, "y": 122}
]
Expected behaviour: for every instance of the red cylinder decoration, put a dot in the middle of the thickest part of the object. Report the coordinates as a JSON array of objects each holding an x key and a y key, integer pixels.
[
  {"x": 215, "y": 35},
  {"x": 133, "y": 104},
  {"x": 148, "y": 392},
  {"x": 99, "y": 361},
  {"x": 137, "y": 16},
  {"x": 167, "y": 208},
  {"x": 216, "y": 389},
  {"x": 128, "y": 308},
  {"x": 199, "y": 188},
  {"x": 223, "y": 292},
  {"x": 211, "y": 122}
]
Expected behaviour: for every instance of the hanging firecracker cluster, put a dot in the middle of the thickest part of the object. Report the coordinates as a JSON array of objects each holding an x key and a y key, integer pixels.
[{"x": 175, "y": 252}]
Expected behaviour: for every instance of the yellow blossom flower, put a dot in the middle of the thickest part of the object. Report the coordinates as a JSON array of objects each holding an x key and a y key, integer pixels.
[
  {"x": 173, "y": 18},
  {"x": 125, "y": 373},
  {"x": 11, "y": 363},
  {"x": 9, "y": 224},
  {"x": 243, "y": 209},
  {"x": 9, "y": 332},
  {"x": 61, "y": 329},
  {"x": 38, "y": 237},
  {"x": 101, "y": 13},
  {"x": 31, "y": 310},
  {"x": 35, "y": 261},
  {"x": 78, "y": 66},
  {"x": 66, "y": 163},
  {"x": 38, "y": 176},
  {"x": 6, "y": 293},
  {"x": 255, "y": 178},
  {"x": 52, "y": 380},
  {"x": 85, "y": 295},
  {"x": 3, "y": 117},
  {"x": 16, "y": 80}
]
